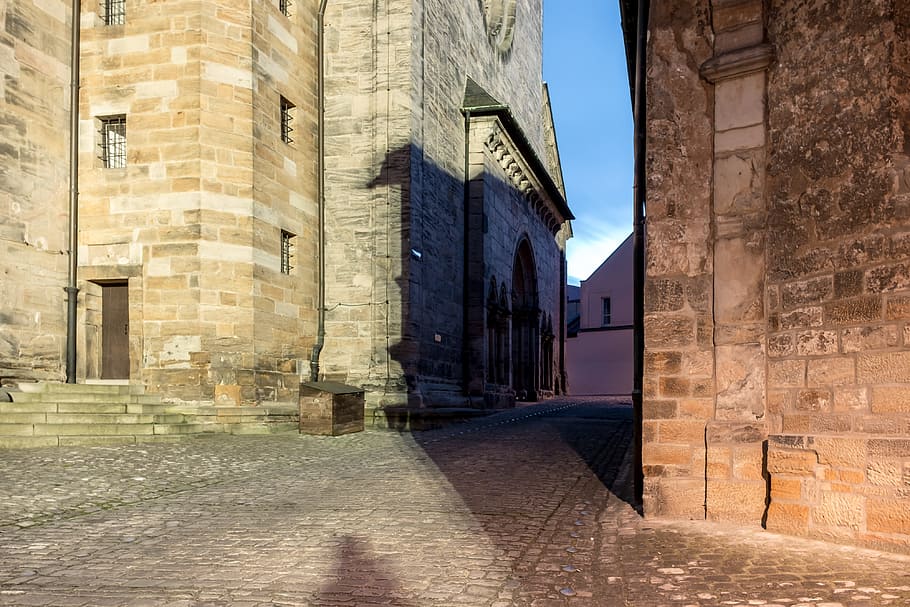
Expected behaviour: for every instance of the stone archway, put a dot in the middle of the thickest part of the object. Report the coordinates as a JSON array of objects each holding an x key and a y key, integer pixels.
[{"x": 525, "y": 323}]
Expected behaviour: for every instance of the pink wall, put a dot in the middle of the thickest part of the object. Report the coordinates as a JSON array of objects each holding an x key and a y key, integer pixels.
[
  {"x": 599, "y": 358},
  {"x": 600, "y": 363}
]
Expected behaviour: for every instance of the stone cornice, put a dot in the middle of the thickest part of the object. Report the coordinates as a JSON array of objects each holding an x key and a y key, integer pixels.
[
  {"x": 737, "y": 63},
  {"x": 523, "y": 178}
]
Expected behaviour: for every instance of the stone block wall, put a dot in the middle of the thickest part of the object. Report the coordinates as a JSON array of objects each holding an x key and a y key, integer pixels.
[
  {"x": 193, "y": 221},
  {"x": 284, "y": 197},
  {"x": 778, "y": 205},
  {"x": 395, "y": 76},
  {"x": 679, "y": 367},
  {"x": 34, "y": 118},
  {"x": 838, "y": 281},
  {"x": 502, "y": 216},
  {"x": 367, "y": 168}
]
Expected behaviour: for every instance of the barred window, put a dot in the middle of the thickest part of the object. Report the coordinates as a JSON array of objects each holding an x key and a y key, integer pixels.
[
  {"x": 113, "y": 12},
  {"x": 287, "y": 252},
  {"x": 285, "y": 7},
  {"x": 113, "y": 142},
  {"x": 287, "y": 119}
]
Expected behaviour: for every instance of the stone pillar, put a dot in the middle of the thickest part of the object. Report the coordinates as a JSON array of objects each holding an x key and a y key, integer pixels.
[
  {"x": 736, "y": 488},
  {"x": 678, "y": 386}
]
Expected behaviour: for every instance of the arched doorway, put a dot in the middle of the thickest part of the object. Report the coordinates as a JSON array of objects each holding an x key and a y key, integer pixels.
[{"x": 525, "y": 323}]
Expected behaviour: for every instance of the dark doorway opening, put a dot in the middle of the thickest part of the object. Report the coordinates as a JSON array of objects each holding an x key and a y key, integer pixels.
[
  {"x": 525, "y": 324},
  {"x": 115, "y": 331}
]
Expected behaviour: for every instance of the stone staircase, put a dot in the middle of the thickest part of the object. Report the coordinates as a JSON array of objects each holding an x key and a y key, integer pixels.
[{"x": 49, "y": 414}]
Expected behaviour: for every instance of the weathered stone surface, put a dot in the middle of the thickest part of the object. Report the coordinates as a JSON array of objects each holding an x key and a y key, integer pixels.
[
  {"x": 788, "y": 518},
  {"x": 888, "y": 278},
  {"x": 797, "y": 463},
  {"x": 813, "y": 400},
  {"x": 735, "y": 179},
  {"x": 848, "y": 398},
  {"x": 816, "y": 343},
  {"x": 839, "y": 452},
  {"x": 34, "y": 116},
  {"x": 852, "y": 311},
  {"x": 898, "y": 307},
  {"x": 864, "y": 339},
  {"x": 887, "y": 516},
  {"x": 892, "y": 399},
  {"x": 803, "y": 293},
  {"x": 785, "y": 489},
  {"x": 734, "y": 500},
  {"x": 848, "y": 283},
  {"x": 739, "y": 267},
  {"x": 831, "y": 371},
  {"x": 786, "y": 373},
  {"x": 837, "y": 509},
  {"x": 664, "y": 296},
  {"x": 666, "y": 331},
  {"x": 740, "y": 382},
  {"x": 731, "y": 432},
  {"x": 802, "y": 318},
  {"x": 660, "y": 363},
  {"x": 889, "y": 367}
]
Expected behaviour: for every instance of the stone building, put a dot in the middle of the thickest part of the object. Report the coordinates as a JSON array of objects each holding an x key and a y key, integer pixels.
[
  {"x": 269, "y": 189},
  {"x": 598, "y": 354},
  {"x": 777, "y": 325},
  {"x": 34, "y": 102}
]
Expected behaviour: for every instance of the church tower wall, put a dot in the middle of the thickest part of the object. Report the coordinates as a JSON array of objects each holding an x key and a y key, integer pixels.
[
  {"x": 192, "y": 222},
  {"x": 396, "y": 74},
  {"x": 34, "y": 112}
]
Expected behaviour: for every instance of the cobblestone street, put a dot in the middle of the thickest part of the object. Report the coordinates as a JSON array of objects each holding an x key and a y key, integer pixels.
[{"x": 525, "y": 508}]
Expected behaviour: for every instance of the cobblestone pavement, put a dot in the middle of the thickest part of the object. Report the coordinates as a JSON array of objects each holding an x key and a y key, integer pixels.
[{"x": 525, "y": 508}]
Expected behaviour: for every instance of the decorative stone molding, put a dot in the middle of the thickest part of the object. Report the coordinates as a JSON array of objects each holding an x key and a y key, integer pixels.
[
  {"x": 737, "y": 63},
  {"x": 521, "y": 177},
  {"x": 499, "y": 18}
]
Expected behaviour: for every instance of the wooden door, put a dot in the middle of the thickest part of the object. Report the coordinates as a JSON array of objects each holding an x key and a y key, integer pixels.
[{"x": 115, "y": 331}]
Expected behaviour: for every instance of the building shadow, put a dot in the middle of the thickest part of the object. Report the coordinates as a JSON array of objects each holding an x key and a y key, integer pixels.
[
  {"x": 514, "y": 489},
  {"x": 527, "y": 481}
]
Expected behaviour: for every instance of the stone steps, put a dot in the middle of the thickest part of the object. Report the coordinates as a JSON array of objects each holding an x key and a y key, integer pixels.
[{"x": 46, "y": 415}]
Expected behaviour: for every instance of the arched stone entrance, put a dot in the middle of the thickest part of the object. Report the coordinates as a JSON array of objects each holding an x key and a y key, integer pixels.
[{"x": 525, "y": 323}]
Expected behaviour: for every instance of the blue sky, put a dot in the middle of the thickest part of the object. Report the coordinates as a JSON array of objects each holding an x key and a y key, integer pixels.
[{"x": 584, "y": 65}]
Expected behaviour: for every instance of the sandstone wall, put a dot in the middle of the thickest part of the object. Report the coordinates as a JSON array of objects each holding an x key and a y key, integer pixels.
[
  {"x": 395, "y": 77},
  {"x": 34, "y": 153},
  {"x": 776, "y": 341},
  {"x": 452, "y": 44},
  {"x": 193, "y": 220},
  {"x": 679, "y": 386},
  {"x": 839, "y": 275},
  {"x": 368, "y": 157},
  {"x": 284, "y": 197}
]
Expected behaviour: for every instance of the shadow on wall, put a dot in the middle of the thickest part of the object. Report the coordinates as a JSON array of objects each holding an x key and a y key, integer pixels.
[
  {"x": 551, "y": 450},
  {"x": 441, "y": 284}
]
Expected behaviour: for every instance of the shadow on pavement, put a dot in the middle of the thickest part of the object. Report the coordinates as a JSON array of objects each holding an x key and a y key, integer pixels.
[
  {"x": 363, "y": 575},
  {"x": 518, "y": 470},
  {"x": 605, "y": 458}
]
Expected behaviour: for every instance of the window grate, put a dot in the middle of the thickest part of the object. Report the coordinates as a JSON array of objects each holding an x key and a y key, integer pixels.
[
  {"x": 287, "y": 252},
  {"x": 287, "y": 119},
  {"x": 113, "y": 12},
  {"x": 285, "y": 7},
  {"x": 113, "y": 142}
]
